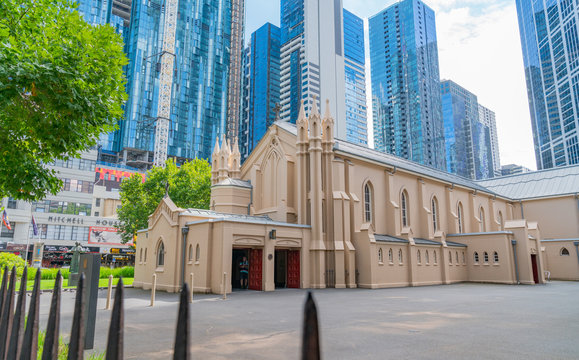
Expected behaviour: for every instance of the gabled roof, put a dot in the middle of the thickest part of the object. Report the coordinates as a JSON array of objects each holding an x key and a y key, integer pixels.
[
  {"x": 214, "y": 216},
  {"x": 392, "y": 160},
  {"x": 536, "y": 184}
]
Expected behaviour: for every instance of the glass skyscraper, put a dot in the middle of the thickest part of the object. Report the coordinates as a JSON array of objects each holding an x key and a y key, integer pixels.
[
  {"x": 355, "y": 79},
  {"x": 467, "y": 139},
  {"x": 117, "y": 14},
  {"x": 406, "y": 83},
  {"x": 199, "y": 93},
  {"x": 487, "y": 117},
  {"x": 550, "y": 42},
  {"x": 261, "y": 86}
]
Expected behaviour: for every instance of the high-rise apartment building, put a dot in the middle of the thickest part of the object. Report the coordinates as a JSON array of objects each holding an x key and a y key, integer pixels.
[
  {"x": 406, "y": 83},
  {"x": 261, "y": 87},
  {"x": 355, "y": 79},
  {"x": 312, "y": 58},
  {"x": 513, "y": 169},
  {"x": 467, "y": 139},
  {"x": 488, "y": 118},
  {"x": 550, "y": 42}
]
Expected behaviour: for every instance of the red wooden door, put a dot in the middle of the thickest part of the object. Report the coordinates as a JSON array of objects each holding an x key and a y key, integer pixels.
[
  {"x": 535, "y": 269},
  {"x": 293, "y": 269},
  {"x": 255, "y": 269}
]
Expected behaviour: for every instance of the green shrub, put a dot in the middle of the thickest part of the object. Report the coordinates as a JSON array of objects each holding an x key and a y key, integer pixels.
[
  {"x": 105, "y": 272},
  {"x": 11, "y": 260},
  {"x": 125, "y": 272}
]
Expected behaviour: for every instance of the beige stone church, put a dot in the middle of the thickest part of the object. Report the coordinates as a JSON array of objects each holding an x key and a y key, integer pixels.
[{"x": 307, "y": 210}]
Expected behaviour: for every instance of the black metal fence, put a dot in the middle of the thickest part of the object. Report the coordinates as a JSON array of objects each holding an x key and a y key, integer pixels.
[{"x": 19, "y": 334}]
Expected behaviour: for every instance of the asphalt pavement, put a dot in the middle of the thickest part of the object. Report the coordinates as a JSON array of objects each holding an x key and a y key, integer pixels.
[{"x": 461, "y": 321}]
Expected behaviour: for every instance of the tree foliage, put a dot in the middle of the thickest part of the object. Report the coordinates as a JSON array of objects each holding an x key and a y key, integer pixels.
[
  {"x": 189, "y": 187},
  {"x": 61, "y": 88}
]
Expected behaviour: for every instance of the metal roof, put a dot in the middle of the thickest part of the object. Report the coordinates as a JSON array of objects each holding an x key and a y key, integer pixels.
[
  {"x": 234, "y": 182},
  {"x": 392, "y": 160},
  {"x": 420, "y": 241},
  {"x": 388, "y": 238},
  {"x": 452, "y": 243},
  {"x": 214, "y": 216},
  {"x": 536, "y": 184}
]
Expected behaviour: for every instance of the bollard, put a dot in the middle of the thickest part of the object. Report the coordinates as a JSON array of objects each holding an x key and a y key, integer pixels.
[
  {"x": 224, "y": 286},
  {"x": 191, "y": 298},
  {"x": 153, "y": 289},
  {"x": 109, "y": 293}
]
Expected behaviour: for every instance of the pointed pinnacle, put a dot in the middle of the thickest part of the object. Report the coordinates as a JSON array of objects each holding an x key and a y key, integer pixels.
[
  {"x": 302, "y": 114},
  {"x": 327, "y": 114},
  {"x": 315, "y": 110}
]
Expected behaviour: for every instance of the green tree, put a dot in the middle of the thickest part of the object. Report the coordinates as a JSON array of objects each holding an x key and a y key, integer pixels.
[
  {"x": 61, "y": 88},
  {"x": 189, "y": 187}
]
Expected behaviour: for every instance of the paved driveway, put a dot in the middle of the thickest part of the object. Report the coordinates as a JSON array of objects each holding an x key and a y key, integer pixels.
[{"x": 463, "y": 321}]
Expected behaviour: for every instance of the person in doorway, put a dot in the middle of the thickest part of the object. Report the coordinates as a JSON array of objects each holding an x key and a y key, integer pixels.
[{"x": 244, "y": 272}]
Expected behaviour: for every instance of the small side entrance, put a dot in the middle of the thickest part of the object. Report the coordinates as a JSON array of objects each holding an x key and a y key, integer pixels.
[
  {"x": 254, "y": 257},
  {"x": 535, "y": 268},
  {"x": 237, "y": 258},
  {"x": 287, "y": 269}
]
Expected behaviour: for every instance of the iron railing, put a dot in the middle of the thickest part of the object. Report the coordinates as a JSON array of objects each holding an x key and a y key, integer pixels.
[{"x": 19, "y": 338}]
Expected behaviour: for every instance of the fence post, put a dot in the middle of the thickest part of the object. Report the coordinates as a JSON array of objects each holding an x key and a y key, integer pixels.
[
  {"x": 153, "y": 289},
  {"x": 109, "y": 293},
  {"x": 192, "y": 285},
  {"x": 224, "y": 286}
]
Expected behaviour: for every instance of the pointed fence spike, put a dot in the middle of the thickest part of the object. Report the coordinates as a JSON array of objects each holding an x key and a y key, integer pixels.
[
  {"x": 115, "y": 339},
  {"x": 29, "y": 350},
  {"x": 3, "y": 288},
  {"x": 7, "y": 315},
  {"x": 18, "y": 320},
  {"x": 181, "y": 349},
  {"x": 311, "y": 339},
  {"x": 76, "y": 346},
  {"x": 50, "y": 350}
]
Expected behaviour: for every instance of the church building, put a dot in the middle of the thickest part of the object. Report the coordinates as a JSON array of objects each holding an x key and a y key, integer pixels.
[{"x": 307, "y": 210}]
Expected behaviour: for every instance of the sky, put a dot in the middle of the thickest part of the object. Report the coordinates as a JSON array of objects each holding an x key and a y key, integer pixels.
[{"x": 479, "y": 48}]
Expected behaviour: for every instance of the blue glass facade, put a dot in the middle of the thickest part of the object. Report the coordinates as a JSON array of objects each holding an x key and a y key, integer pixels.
[
  {"x": 100, "y": 12},
  {"x": 261, "y": 86},
  {"x": 355, "y": 79},
  {"x": 550, "y": 42},
  {"x": 199, "y": 94},
  {"x": 292, "y": 19},
  {"x": 467, "y": 138},
  {"x": 406, "y": 100}
]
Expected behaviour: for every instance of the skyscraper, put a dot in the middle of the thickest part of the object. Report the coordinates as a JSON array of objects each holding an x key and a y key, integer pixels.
[
  {"x": 487, "y": 117},
  {"x": 199, "y": 89},
  {"x": 116, "y": 13},
  {"x": 312, "y": 58},
  {"x": 550, "y": 41},
  {"x": 261, "y": 88},
  {"x": 467, "y": 139},
  {"x": 406, "y": 83},
  {"x": 355, "y": 79},
  {"x": 235, "y": 68}
]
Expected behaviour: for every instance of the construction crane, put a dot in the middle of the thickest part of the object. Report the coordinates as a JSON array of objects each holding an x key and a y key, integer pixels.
[{"x": 167, "y": 58}]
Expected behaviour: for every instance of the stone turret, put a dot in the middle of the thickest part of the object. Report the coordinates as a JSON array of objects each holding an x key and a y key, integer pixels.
[
  {"x": 229, "y": 194},
  {"x": 317, "y": 246},
  {"x": 215, "y": 163},
  {"x": 223, "y": 162},
  {"x": 302, "y": 164},
  {"x": 234, "y": 161}
]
